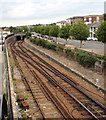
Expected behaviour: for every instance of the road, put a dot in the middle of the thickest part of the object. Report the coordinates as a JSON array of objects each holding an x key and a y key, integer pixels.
[{"x": 94, "y": 46}]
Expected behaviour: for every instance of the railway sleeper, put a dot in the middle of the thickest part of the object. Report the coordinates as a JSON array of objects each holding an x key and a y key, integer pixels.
[
  {"x": 34, "y": 89},
  {"x": 51, "y": 113},
  {"x": 34, "y": 86},
  {"x": 48, "y": 108},
  {"x": 43, "y": 101},
  {"x": 100, "y": 111},
  {"x": 77, "y": 105},
  {"x": 79, "y": 108},
  {"x": 37, "y": 97},
  {"x": 72, "y": 102},
  {"x": 37, "y": 91},
  {"x": 39, "y": 94},
  {"x": 85, "y": 114},
  {"x": 46, "y": 104}
]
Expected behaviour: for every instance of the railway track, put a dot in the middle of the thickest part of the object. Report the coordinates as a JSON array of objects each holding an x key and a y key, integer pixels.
[
  {"x": 77, "y": 99},
  {"x": 42, "y": 96}
]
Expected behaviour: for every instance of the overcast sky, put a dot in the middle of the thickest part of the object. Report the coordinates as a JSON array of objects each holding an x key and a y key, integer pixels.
[{"x": 29, "y": 12}]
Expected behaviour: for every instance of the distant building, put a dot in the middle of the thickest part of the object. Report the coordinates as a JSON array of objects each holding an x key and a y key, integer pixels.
[
  {"x": 61, "y": 23},
  {"x": 93, "y": 28},
  {"x": 5, "y": 32},
  {"x": 93, "y": 18},
  {"x": 75, "y": 19}
]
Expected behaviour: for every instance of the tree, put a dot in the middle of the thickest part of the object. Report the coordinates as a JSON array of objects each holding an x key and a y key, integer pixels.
[
  {"x": 47, "y": 29},
  {"x": 11, "y": 28},
  {"x": 54, "y": 31},
  {"x": 101, "y": 34},
  {"x": 65, "y": 32},
  {"x": 42, "y": 28},
  {"x": 24, "y": 29},
  {"x": 80, "y": 31}
]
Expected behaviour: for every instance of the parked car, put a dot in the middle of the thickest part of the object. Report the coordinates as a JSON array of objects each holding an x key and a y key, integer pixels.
[{"x": 50, "y": 38}]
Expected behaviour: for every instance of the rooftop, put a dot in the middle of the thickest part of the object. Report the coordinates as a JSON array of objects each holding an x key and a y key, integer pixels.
[
  {"x": 95, "y": 24},
  {"x": 62, "y": 21}
]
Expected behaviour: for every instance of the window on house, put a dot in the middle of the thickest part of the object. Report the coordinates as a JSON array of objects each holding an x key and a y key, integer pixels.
[
  {"x": 94, "y": 28},
  {"x": 91, "y": 28}
]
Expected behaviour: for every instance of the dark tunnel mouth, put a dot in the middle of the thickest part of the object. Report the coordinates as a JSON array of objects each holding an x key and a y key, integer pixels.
[{"x": 20, "y": 37}]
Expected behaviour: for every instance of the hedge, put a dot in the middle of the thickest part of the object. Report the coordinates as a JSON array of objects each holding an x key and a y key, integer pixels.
[
  {"x": 86, "y": 60},
  {"x": 44, "y": 43}
]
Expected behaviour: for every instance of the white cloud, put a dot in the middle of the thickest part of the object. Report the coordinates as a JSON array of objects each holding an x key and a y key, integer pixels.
[{"x": 43, "y": 10}]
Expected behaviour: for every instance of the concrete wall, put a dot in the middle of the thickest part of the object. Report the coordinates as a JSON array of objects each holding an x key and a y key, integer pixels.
[{"x": 12, "y": 106}]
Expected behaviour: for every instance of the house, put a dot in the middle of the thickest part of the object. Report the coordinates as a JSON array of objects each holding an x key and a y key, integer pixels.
[
  {"x": 93, "y": 18},
  {"x": 93, "y": 28},
  {"x": 5, "y": 32},
  {"x": 75, "y": 19}
]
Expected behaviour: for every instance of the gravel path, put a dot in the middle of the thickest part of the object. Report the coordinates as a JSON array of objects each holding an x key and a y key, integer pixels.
[{"x": 94, "y": 77}]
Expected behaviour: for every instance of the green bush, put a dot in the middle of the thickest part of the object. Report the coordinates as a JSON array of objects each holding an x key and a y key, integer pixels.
[
  {"x": 20, "y": 104},
  {"x": 60, "y": 48},
  {"x": 36, "y": 41},
  {"x": 31, "y": 39},
  {"x": 44, "y": 43},
  {"x": 51, "y": 46},
  {"x": 86, "y": 59},
  {"x": 70, "y": 52}
]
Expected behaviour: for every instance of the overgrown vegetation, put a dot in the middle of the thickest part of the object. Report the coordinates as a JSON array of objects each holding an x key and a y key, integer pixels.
[
  {"x": 46, "y": 44},
  {"x": 85, "y": 59},
  {"x": 18, "y": 101}
]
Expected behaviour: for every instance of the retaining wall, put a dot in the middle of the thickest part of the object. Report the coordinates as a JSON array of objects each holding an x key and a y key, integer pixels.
[{"x": 12, "y": 105}]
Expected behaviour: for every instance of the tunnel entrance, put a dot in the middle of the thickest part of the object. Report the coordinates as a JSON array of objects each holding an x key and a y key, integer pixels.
[{"x": 18, "y": 38}]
